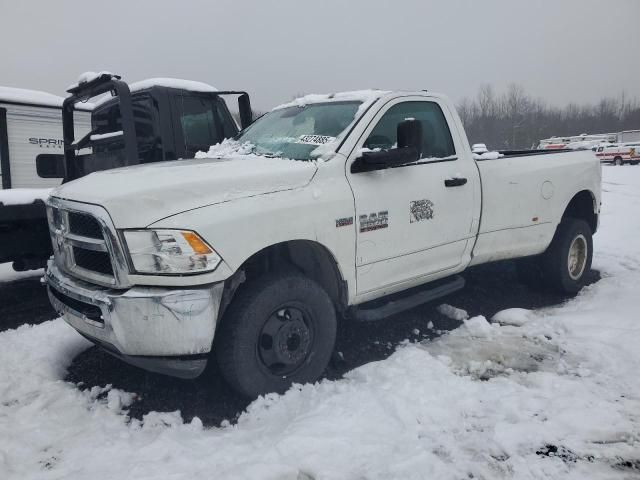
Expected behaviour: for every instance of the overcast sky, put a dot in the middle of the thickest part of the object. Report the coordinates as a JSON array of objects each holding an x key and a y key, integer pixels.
[{"x": 562, "y": 51}]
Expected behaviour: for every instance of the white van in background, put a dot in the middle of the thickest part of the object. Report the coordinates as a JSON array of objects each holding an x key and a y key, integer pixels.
[{"x": 619, "y": 154}]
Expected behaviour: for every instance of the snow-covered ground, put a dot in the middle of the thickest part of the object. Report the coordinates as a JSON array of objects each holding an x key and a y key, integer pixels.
[
  {"x": 553, "y": 393},
  {"x": 8, "y": 274},
  {"x": 23, "y": 196}
]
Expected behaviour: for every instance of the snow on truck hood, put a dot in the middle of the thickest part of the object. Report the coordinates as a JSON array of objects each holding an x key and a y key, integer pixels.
[{"x": 140, "y": 195}]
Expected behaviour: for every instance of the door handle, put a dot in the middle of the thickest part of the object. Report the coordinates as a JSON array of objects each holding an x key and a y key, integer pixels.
[{"x": 455, "y": 182}]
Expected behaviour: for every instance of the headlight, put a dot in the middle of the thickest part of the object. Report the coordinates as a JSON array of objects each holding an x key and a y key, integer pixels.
[{"x": 169, "y": 252}]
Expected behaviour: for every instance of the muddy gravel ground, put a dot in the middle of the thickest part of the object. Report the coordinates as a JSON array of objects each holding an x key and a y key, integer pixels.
[{"x": 489, "y": 289}]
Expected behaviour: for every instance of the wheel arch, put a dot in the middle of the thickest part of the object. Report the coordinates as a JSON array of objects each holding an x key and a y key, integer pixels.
[
  {"x": 309, "y": 257},
  {"x": 583, "y": 206}
]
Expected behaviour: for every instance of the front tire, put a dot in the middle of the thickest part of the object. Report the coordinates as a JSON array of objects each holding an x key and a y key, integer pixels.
[
  {"x": 279, "y": 329},
  {"x": 618, "y": 161},
  {"x": 567, "y": 261}
]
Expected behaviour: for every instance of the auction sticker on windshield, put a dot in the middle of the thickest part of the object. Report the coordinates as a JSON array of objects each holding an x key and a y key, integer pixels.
[{"x": 315, "y": 139}]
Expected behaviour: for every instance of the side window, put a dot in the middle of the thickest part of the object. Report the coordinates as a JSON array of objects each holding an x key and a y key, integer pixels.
[
  {"x": 200, "y": 127},
  {"x": 436, "y": 136},
  {"x": 228, "y": 125}
]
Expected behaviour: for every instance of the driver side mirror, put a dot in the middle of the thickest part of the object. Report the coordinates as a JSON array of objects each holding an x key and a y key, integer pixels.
[
  {"x": 244, "y": 107},
  {"x": 408, "y": 150}
]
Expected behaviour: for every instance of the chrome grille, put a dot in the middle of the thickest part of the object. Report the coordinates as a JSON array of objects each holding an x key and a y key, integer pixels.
[
  {"x": 84, "y": 225},
  {"x": 82, "y": 244},
  {"x": 93, "y": 261}
]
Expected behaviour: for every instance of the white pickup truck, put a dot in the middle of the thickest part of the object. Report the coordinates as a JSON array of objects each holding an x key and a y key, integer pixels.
[{"x": 321, "y": 209}]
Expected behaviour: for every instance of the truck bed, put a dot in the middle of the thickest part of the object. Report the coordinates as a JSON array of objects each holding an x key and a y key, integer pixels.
[{"x": 524, "y": 194}]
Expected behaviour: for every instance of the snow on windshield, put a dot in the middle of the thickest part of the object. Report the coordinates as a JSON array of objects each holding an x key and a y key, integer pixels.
[{"x": 228, "y": 148}]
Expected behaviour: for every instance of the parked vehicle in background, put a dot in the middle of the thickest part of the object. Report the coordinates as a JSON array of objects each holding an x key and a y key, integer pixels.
[
  {"x": 30, "y": 134},
  {"x": 149, "y": 121},
  {"x": 579, "y": 142},
  {"x": 323, "y": 207},
  {"x": 31, "y": 147},
  {"x": 628, "y": 136},
  {"x": 619, "y": 154}
]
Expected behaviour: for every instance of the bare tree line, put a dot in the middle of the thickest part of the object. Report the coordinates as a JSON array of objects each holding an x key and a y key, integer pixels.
[{"x": 515, "y": 120}]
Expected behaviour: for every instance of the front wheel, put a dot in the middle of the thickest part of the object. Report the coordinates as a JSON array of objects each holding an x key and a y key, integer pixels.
[
  {"x": 567, "y": 261},
  {"x": 279, "y": 329},
  {"x": 618, "y": 161}
]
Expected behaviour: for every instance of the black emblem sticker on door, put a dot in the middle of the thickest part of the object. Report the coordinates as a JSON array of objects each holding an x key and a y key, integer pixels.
[
  {"x": 420, "y": 210},
  {"x": 374, "y": 221},
  {"x": 344, "y": 222}
]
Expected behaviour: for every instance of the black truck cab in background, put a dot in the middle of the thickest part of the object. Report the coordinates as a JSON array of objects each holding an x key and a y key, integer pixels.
[{"x": 149, "y": 124}]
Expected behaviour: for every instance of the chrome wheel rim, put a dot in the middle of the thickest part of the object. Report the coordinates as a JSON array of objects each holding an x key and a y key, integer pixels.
[{"x": 577, "y": 258}]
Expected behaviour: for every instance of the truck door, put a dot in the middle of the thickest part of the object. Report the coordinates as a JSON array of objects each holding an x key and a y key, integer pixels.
[{"x": 414, "y": 222}]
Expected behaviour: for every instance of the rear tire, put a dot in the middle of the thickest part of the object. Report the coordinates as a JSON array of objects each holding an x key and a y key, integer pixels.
[
  {"x": 618, "y": 161},
  {"x": 567, "y": 261},
  {"x": 279, "y": 329}
]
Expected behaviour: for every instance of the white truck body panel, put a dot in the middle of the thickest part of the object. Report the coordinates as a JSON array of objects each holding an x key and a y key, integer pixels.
[
  {"x": 181, "y": 185},
  {"x": 523, "y": 199}
]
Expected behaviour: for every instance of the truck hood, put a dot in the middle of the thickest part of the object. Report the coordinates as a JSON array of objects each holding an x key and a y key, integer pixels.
[{"x": 140, "y": 195}]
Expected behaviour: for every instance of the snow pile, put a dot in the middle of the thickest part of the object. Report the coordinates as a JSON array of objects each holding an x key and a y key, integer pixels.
[
  {"x": 103, "y": 136},
  {"x": 479, "y": 148},
  {"x": 487, "y": 156},
  {"x": 541, "y": 394},
  {"x": 452, "y": 312},
  {"x": 23, "y": 196},
  {"x": 190, "y": 85},
  {"x": 8, "y": 274},
  {"x": 21, "y": 95},
  {"x": 513, "y": 316},
  {"x": 87, "y": 77},
  {"x": 227, "y": 148}
]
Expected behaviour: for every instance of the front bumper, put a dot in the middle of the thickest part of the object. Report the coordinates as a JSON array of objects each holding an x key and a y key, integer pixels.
[{"x": 166, "y": 330}]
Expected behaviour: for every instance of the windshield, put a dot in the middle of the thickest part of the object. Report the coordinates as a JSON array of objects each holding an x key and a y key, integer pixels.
[{"x": 295, "y": 132}]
